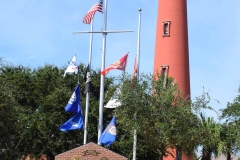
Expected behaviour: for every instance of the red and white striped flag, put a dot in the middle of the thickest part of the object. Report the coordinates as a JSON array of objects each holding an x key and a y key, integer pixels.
[{"x": 89, "y": 15}]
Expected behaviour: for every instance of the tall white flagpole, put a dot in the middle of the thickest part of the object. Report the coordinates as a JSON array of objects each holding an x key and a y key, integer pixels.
[
  {"x": 137, "y": 61},
  {"x": 101, "y": 101},
  {"x": 88, "y": 93},
  {"x": 138, "y": 42},
  {"x": 100, "y": 123}
]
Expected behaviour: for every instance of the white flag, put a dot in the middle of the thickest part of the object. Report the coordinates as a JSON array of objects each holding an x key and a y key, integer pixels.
[
  {"x": 114, "y": 102},
  {"x": 72, "y": 67}
]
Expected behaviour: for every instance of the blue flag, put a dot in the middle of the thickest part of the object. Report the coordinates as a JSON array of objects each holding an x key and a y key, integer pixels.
[
  {"x": 76, "y": 122},
  {"x": 110, "y": 133},
  {"x": 74, "y": 102}
]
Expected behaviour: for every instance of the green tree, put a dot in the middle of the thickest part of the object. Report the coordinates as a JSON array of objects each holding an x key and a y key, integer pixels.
[
  {"x": 229, "y": 136},
  {"x": 33, "y": 101},
  {"x": 8, "y": 118},
  {"x": 161, "y": 113},
  {"x": 210, "y": 138},
  {"x": 32, "y": 104},
  {"x": 232, "y": 112},
  {"x": 230, "y": 132}
]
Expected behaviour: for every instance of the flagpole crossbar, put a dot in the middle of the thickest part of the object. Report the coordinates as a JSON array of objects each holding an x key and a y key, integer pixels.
[{"x": 103, "y": 32}]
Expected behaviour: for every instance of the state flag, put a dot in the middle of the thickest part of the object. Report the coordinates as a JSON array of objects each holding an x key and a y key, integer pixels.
[
  {"x": 110, "y": 133},
  {"x": 73, "y": 104},
  {"x": 120, "y": 65},
  {"x": 76, "y": 122}
]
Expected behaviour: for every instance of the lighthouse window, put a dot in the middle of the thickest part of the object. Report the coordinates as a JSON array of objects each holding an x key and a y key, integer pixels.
[
  {"x": 166, "y": 28},
  {"x": 164, "y": 70}
]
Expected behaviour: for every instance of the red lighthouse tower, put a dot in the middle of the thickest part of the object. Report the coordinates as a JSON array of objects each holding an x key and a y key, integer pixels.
[{"x": 171, "y": 50}]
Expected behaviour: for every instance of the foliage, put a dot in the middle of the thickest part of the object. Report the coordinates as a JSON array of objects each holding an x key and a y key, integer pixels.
[
  {"x": 229, "y": 137},
  {"x": 232, "y": 112},
  {"x": 157, "y": 109},
  {"x": 210, "y": 134},
  {"x": 32, "y": 110},
  {"x": 9, "y": 111},
  {"x": 230, "y": 129},
  {"x": 32, "y": 105},
  {"x": 202, "y": 102}
]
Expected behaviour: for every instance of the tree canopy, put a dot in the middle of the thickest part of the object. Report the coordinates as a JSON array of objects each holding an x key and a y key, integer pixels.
[
  {"x": 32, "y": 102},
  {"x": 32, "y": 110}
]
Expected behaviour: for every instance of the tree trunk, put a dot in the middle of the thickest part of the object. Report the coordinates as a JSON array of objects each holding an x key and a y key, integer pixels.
[
  {"x": 50, "y": 156},
  {"x": 160, "y": 155},
  {"x": 206, "y": 155},
  {"x": 178, "y": 153},
  {"x": 228, "y": 156}
]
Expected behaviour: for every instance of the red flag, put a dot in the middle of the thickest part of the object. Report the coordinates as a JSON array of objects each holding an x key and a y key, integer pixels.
[
  {"x": 135, "y": 67},
  {"x": 120, "y": 65}
]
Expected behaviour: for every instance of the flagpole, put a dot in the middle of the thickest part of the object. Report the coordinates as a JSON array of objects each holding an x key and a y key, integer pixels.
[
  {"x": 100, "y": 123},
  {"x": 88, "y": 93},
  {"x": 137, "y": 61},
  {"x": 138, "y": 42},
  {"x": 104, "y": 32}
]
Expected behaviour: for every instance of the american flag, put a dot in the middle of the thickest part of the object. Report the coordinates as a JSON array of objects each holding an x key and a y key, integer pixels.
[{"x": 89, "y": 16}]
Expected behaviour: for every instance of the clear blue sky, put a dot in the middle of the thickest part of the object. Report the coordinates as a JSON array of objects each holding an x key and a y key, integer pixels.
[{"x": 35, "y": 33}]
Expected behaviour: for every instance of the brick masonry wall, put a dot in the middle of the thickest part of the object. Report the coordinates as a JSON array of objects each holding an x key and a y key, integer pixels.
[{"x": 90, "y": 151}]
